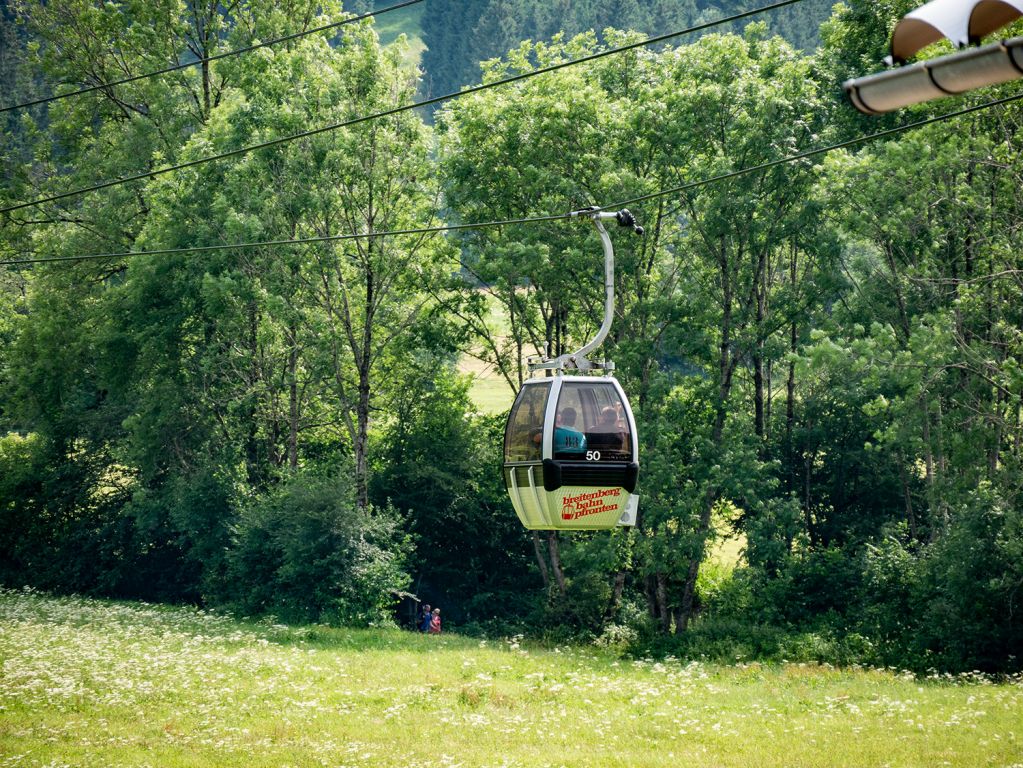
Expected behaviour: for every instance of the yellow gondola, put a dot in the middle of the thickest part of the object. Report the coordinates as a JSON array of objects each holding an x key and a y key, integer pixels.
[{"x": 571, "y": 453}]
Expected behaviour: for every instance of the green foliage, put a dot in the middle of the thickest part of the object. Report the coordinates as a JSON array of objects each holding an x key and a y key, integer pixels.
[
  {"x": 436, "y": 465},
  {"x": 195, "y": 384},
  {"x": 617, "y": 638},
  {"x": 461, "y": 33},
  {"x": 60, "y": 520},
  {"x": 820, "y": 585},
  {"x": 22, "y": 467},
  {"x": 966, "y": 597},
  {"x": 824, "y": 357},
  {"x": 307, "y": 552}
]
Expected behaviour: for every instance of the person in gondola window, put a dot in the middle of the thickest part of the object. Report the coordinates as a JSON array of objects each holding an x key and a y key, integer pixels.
[
  {"x": 608, "y": 434},
  {"x": 567, "y": 439}
]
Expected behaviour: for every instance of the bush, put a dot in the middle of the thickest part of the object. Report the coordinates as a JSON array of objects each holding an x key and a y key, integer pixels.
[
  {"x": 968, "y": 589},
  {"x": 60, "y": 525},
  {"x": 812, "y": 584},
  {"x": 617, "y": 638},
  {"x": 828, "y": 648},
  {"x": 305, "y": 552}
]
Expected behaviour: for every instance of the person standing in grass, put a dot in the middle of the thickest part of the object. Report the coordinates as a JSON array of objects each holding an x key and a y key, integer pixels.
[
  {"x": 423, "y": 622},
  {"x": 435, "y": 622}
]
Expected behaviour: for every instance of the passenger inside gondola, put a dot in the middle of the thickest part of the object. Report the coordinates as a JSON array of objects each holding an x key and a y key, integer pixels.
[
  {"x": 569, "y": 442},
  {"x": 609, "y": 432}
]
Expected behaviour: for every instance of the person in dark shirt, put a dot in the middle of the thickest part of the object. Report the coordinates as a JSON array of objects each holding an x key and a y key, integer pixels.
[
  {"x": 567, "y": 439},
  {"x": 609, "y": 432}
]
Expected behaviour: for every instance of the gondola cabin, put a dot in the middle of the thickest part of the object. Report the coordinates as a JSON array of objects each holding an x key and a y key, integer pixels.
[{"x": 570, "y": 454}]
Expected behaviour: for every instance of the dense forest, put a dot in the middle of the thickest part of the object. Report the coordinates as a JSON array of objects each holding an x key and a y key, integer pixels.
[
  {"x": 461, "y": 33},
  {"x": 825, "y": 357}
]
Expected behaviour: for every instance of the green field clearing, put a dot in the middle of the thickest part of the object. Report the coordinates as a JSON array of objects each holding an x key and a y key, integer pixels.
[
  {"x": 403, "y": 21},
  {"x": 88, "y": 683},
  {"x": 490, "y": 393}
]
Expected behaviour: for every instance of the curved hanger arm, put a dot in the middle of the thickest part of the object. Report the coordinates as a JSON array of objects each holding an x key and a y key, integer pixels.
[{"x": 578, "y": 358}]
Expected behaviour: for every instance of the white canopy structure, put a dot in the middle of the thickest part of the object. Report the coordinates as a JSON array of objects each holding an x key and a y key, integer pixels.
[{"x": 964, "y": 23}]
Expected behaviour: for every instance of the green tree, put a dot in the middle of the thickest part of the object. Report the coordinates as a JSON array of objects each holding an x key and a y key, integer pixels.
[
  {"x": 699, "y": 278},
  {"x": 925, "y": 342},
  {"x": 544, "y": 145},
  {"x": 201, "y": 380},
  {"x": 436, "y": 462},
  {"x": 736, "y": 235},
  {"x": 308, "y": 552}
]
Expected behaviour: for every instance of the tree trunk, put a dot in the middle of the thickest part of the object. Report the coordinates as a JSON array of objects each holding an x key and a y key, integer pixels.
[
  {"x": 252, "y": 469},
  {"x": 726, "y": 368},
  {"x": 206, "y": 101},
  {"x": 758, "y": 395},
  {"x": 811, "y": 529},
  {"x": 681, "y": 621},
  {"x": 904, "y": 478},
  {"x": 1017, "y": 433},
  {"x": 361, "y": 440},
  {"x": 650, "y": 592},
  {"x": 541, "y": 561},
  {"x": 662, "y": 602},
  {"x": 758, "y": 354},
  {"x": 934, "y": 505},
  {"x": 559, "y": 575},
  {"x": 363, "y": 359},
  {"x": 998, "y": 428},
  {"x": 616, "y": 594},
  {"x": 293, "y": 395},
  {"x": 790, "y": 384}
]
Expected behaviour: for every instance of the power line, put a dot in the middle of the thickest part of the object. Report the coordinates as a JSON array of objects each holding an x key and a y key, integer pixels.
[
  {"x": 217, "y": 57},
  {"x": 532, "y": 219},
  {"x": 820, "y": 151},
  {"x": 300, "y": 241},
  {"x": 396, "y": 110}
]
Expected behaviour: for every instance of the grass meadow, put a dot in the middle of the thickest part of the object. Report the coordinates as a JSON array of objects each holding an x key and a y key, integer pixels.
[
  {"x": 92, "y": 683},
  {"x": 490, "y": 393},
  {"x": 403, "y": 21}
]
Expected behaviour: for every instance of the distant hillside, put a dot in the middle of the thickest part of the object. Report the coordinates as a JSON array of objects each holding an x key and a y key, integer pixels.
[
  {"x": 407, "y": 21},
  {"x": 458, "y": 34}
]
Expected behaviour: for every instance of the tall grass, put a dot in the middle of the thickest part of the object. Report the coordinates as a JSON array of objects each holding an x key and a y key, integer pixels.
[{"x": 88, "y": 683}]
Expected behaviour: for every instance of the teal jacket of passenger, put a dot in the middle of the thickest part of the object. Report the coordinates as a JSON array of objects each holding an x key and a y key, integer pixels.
[{"x": 569, "y": 441}]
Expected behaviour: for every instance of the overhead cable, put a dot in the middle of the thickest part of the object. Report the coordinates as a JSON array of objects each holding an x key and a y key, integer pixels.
[
  {"x": 298, "y": 241},
  {"x": 207, "y": 59},
  {"x": 532, "y": 219},
  {"x": 820, "y": 151},
  {"x": 396, "y": 110}
]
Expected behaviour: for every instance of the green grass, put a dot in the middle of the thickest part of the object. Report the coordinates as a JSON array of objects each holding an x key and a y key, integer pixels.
[
  {"x": 88, "y": 683},
  {"x": 490, "y": 393},
  {"x": 403, "y": 21}
]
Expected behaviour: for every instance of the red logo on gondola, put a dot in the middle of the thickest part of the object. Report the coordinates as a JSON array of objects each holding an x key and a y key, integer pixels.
[{"x": 585, "y": 504}]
